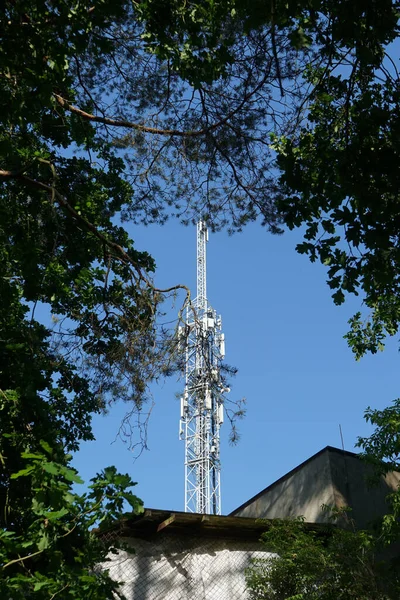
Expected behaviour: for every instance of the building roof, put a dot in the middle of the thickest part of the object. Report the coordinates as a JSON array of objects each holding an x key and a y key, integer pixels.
[
  {"x": 330, "y": 479},
  {"x": 153, "y": 522},
  {"x": 289, "y": 474}
]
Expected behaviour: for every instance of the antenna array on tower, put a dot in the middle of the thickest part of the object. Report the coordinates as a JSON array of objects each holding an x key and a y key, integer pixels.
[{"x": 202, "y": 409}]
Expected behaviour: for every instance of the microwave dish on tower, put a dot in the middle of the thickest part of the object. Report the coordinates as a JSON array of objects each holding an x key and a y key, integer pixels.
[{"x": 202, "y": 403}]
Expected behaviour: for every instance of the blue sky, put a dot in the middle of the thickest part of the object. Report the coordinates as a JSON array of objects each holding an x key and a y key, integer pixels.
[{"x": 285, "y": 336}]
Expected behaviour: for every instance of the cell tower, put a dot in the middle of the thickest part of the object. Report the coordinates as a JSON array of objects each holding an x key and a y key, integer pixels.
[{"x": 202, "y": 408}]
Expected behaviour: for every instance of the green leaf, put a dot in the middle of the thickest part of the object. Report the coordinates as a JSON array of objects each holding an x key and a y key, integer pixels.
[
  {"x": 40, "y": 585},
  {"x": 70, "y": 475},
  {"x": 55, "y": 515},
  {"x": 44, "y": 542},
  {"x": 46, "y": 447},
  {"x": 51, "y": 467},
  {"x": 338, "y": 297},
  {"x": 22, "y": 473},
  {"x": 33, "y": 455}
]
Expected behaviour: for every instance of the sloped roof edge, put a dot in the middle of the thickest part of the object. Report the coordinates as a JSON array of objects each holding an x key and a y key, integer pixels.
[{"x": 290, "y": 473}]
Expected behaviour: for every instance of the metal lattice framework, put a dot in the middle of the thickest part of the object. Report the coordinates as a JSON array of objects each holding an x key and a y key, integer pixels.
[{"x": 202, "y": 410}]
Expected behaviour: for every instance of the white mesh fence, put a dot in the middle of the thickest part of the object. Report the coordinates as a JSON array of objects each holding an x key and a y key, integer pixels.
[{"x": 181, "y": 567}]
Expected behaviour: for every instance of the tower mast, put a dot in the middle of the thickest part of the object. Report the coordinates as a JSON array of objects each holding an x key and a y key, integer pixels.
[{"x": 202, "y": 410}]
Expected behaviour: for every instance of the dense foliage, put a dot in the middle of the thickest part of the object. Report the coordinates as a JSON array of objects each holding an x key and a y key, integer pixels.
[
  {"x": 340, "y": 181},
  {"x": 49, "y": 548},
  {"x": 63, "y": 255},
  {"x": 335, "y": 564}
]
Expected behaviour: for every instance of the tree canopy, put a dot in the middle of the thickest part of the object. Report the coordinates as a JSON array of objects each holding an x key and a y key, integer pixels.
[
  {"x": 340, "y": 179},
  {"x": 189, "y": 109}
]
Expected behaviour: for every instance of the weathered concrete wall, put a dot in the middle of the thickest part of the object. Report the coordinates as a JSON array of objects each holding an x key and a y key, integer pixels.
[
  {"x": 173, "y": 567},
  {"x": 302, "y": 493},
  {"x": 332, "y": 478},
  {"x": 350, "y": 479}
]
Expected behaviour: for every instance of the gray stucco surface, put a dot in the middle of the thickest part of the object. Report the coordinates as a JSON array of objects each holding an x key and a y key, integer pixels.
[{"x": 331, "y": 477}]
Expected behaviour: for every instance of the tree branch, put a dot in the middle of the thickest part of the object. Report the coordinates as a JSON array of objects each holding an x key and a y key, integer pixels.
[
  {"x": 274, "y": 50},
  {"x": 59, "y": 591},
  {"x": 22, "y": 559},
  {"x": 110, "y": 244},
  {"x": 155, "y": 130}
]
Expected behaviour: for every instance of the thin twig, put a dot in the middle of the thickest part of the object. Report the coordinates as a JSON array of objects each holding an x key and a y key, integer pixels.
[{"x": 59, "y": 591}]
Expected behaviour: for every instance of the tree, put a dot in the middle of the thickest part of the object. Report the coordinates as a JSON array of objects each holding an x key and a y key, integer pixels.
[
  {"x": 382, "y": 450},
  {"x": 330, "y": 564},
  {"x": 62, "y": 253},
  {"x": 339, "y": 177},
  {"x": 51, "y": 549}
]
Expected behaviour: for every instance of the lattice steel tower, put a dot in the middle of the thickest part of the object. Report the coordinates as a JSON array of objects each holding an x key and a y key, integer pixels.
[{"x": 202, "y": 409}]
